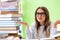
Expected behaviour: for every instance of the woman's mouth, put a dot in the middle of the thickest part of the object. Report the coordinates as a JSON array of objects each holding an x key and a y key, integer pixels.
[{"x": 40, "y": 18}]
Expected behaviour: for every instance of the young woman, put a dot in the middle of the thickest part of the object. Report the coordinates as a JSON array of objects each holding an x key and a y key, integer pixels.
[{"x": 42, "y": 27}]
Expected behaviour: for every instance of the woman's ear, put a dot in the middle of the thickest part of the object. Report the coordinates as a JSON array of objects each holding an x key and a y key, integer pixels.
[{"x": 56, "y": 22}]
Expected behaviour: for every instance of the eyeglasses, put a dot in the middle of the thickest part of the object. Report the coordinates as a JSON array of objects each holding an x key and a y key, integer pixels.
[{"x": 42, "y": 14}]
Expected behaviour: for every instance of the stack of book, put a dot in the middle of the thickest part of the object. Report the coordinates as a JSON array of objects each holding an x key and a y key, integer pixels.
[
  {"x": 9, "y": 5},
  {"x": 9, "y": 16},
  {"x": 8, "y": 23}
]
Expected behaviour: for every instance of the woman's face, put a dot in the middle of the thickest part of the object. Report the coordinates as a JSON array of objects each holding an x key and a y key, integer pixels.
[{"x": 40, "y": 15}]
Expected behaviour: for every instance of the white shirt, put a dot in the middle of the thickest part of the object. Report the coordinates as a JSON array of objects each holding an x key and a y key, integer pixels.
[{"x": 31, "y": 33}]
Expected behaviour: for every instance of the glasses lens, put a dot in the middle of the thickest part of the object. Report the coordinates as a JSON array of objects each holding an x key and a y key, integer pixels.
[{"x": 41, "y": 13}]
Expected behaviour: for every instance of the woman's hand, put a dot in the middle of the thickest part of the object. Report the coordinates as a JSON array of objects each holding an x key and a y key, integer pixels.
[
  {"x": 23, "y": 23},
  {"x": 57, "y": 22}
]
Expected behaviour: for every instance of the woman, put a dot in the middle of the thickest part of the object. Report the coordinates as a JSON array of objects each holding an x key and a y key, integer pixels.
[{"x": 42, "y": 27}]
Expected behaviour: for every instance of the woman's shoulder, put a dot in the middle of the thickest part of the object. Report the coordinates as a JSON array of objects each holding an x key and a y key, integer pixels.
[
  {"x": 52, "y": 25},
  {"x": 33, "y": 25}
]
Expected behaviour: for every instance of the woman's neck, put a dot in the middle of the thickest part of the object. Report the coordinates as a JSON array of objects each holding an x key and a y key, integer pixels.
[{"x": 41, "y": 23}]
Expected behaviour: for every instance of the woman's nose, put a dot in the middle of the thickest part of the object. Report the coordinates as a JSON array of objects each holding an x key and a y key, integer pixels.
[{"x": 40, "y": 15}]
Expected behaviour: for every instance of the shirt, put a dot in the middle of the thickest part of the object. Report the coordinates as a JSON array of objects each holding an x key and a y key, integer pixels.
[{"x": 31, "y": 32}]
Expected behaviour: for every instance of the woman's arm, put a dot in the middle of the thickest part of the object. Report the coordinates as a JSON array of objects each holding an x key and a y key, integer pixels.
[
  {"x": 29, "y": 31},
  {"x": 23, "y": 23},
  {"x": 53, "y": 29}
]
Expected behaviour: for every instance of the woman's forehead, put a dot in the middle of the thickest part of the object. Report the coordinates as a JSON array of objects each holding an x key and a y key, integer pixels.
[{"x": 40, "y": 10}]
